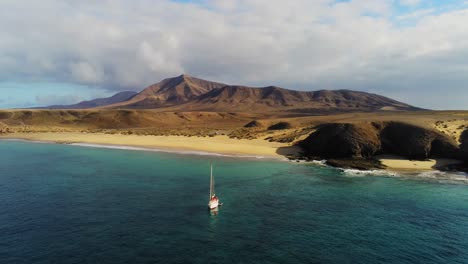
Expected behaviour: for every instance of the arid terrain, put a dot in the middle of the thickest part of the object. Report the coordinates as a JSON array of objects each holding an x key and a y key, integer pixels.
[
  {"x": 177, "y": 113},
  {"x": 235, "y": 124},
  {"x": 186, "y": 93},
  {"x": 281, "y": 131}
]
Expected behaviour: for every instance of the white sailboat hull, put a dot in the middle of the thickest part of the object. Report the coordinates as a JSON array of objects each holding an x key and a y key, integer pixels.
[{"x": 213, "y": 204}]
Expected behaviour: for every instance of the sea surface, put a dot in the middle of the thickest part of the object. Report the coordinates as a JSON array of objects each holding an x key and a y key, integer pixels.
[{"x": 75, "y": 204}]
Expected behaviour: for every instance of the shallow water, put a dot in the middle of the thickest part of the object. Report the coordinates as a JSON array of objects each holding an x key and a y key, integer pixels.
[{"x": 73, "y": 204}]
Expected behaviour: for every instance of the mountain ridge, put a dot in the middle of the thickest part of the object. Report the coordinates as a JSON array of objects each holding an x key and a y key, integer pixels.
[
  {"x": 270, "y": 98},
  {"x": 187, "y": 93}
]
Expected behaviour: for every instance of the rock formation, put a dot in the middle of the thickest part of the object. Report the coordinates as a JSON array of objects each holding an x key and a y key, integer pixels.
[
  {"x": 279, "y": 126},
  {"x": 464, "y": 144},
  {"x": 343, "y": 141},
  {"x": 365, "y": 140},
  {"x": 254, "y": 124}
]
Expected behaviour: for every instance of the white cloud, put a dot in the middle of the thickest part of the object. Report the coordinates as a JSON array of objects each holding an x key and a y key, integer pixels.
[
  {"x": 83, "y": 72},
  {"x": 409, "y": 2},
  {"x": 416, "y": 14},
  {"x": 298, "y": 44}
]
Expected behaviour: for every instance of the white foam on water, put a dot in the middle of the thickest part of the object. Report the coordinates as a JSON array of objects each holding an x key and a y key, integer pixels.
[
  {"x": 186, "y": 152},
  {"x": 443, "y": 176},
  {"x": 434, "y": 175},
  {"x": 319, "y": 162},
  {"x": 175, "y": 151},
  {"x": 362, "y": 173}
]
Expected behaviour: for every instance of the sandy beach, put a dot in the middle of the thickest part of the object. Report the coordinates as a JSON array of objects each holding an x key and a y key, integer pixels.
[
  {"x": 216, "y": 144},
  {"x": 394, "y": 162}
]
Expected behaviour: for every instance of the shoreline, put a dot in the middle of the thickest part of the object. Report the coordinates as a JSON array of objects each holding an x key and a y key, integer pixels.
[
  {"x": 221, "y": 146},
  {"x": 453, "y": 177},
  {"x": 135, "y": 148}
]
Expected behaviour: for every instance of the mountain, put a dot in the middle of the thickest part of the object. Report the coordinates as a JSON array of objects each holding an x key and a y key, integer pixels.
[
  {"x": 116, "y": 98},
  {"x": 271, "y": 98},
  {"x": 169, "y": 92},
  {"x": 187, "y": 93}
]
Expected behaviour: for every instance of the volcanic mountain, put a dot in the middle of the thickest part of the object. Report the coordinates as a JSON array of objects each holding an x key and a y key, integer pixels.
[
  {"x": 272, "y": 98},
  {"x": 169, "y": 92},
  {"x": 187, "y": 93}
]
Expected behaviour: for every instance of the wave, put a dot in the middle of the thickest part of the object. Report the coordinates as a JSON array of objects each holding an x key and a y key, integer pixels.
[
  {"x": 185, "y": 152},
  {"x": 434, "y": 175},
  {"x": 319, "y": 162},
  {"x": 362, "y": 173},
  {"x": 444, "y": 176}
]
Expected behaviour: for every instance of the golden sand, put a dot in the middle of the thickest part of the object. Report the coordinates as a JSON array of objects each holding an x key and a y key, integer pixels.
[
  {"x": 398, "y": 163},
  {"x": 216, "y": 144}
]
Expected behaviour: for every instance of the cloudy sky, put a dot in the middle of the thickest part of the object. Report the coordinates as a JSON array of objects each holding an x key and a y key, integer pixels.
[{"x": 64, "y": 51}]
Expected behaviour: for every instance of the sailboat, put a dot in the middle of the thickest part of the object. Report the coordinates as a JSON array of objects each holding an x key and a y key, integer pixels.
[{"x": 214, "y": 200}]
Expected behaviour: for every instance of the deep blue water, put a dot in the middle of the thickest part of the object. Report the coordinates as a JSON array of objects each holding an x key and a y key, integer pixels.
[{"x": 70, "y": 204}]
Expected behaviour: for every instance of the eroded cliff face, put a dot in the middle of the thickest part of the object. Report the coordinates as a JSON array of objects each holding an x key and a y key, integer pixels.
[
  {"x": 416, "y": 142},
  {"x": 464, "y": 144},
  {"x": 343, "y": 141},
  {"x": 367, "y": 139}
]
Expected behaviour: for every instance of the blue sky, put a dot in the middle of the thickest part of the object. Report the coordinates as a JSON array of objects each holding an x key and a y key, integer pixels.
[
  {"x": 19, "y": 95},
  {"x": 62, "y": 52}
]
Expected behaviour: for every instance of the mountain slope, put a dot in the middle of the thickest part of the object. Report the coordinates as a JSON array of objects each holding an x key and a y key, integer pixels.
[
  {"x": 116, "y": 98},
  {"x": 186, "y": 93},
  {"x": 242, "y": 98},
  {"x": 171, "y": 91}
]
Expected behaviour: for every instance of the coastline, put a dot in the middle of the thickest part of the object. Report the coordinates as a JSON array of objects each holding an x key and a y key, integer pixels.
[
  {"x": 217, "y": 145},
  {"x": 214, "y": 146}
]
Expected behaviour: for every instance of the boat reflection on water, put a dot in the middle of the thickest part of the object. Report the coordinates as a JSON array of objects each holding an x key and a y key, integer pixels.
[{"x": 214, "y": 211}]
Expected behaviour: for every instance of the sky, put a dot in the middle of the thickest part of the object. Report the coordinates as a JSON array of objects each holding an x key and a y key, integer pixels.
[{"x": 65, "y": 51}]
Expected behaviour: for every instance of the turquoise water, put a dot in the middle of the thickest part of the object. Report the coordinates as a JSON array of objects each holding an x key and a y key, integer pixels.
[{"x": 70, "y": 204}]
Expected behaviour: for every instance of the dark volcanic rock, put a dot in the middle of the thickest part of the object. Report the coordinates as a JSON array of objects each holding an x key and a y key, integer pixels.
[
  {"x": 279, "y": 126},
  {"x": 464, "y": 145},
  {"x": 253, "y": 124},
  {"x": 356, "y": 163},
  {"x": 365, "y": 140},
  {"x": 416, "y": 142},
  {"x": 343, "y": 141}
]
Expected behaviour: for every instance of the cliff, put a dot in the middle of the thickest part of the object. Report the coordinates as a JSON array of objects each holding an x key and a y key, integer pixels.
[{"x": 365, "y": 140}]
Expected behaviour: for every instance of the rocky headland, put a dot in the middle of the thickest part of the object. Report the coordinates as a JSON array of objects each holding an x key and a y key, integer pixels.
[{"x": 357, "y": 145}]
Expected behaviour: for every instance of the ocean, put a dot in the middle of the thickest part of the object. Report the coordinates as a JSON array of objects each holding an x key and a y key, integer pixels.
[{"x": 76, "y": 204}]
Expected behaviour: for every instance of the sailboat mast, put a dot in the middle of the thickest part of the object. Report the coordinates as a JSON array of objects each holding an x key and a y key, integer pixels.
[
  {"x": 211, "y": 180},
  {"x": 212, "y": 177}
]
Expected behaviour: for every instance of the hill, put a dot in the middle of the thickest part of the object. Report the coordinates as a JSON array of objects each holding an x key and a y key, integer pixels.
[{"x": 116, "y": 98}]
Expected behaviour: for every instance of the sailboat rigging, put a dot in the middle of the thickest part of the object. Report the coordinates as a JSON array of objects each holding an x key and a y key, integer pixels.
[{"x": 214, "y": 200}]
